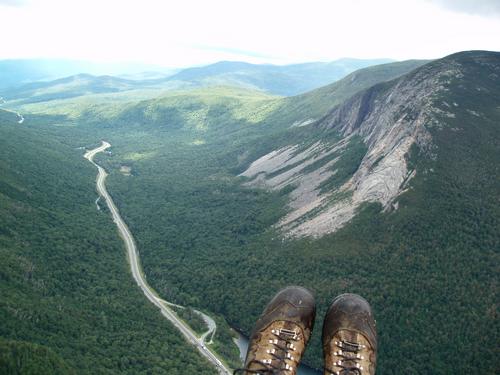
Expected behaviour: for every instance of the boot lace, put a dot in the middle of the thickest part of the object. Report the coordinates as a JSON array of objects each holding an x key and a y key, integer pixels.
[
  {"x": 282, "y": 347},
  {"x": 349, "y": 354}
]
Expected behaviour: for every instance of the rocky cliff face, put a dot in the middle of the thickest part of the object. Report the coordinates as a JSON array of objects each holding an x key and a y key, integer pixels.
[{"x": 388, "y": 118}]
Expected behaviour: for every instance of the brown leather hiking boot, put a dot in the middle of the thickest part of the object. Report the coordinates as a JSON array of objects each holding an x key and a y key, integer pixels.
[
  {"x": 349, "y": 337},
  {"x": 280, "y": 336}
]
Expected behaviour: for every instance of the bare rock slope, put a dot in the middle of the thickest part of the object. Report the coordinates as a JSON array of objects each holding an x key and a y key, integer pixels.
[{"x": 377, "y": 127}]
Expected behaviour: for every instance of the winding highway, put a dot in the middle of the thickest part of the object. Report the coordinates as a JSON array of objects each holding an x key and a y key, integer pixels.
[{"x": 164, "y": 306}]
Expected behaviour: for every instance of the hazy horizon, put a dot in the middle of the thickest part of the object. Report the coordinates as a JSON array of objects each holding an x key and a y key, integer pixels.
[
  {"x": 135, "y": 65},
  {"x": 194, "y": 33}
]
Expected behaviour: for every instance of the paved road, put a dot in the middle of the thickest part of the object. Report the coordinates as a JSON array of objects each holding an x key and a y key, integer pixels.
[{"x": 135, "y": 267}]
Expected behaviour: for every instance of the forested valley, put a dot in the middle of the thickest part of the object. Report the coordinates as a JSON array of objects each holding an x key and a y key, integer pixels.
[
  {"x": 69, "y": 304},
  {"x": 207, "y": 241}
]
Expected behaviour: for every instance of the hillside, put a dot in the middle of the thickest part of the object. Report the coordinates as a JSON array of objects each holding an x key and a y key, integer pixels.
[
  {"x": 311, "y": 106},
  {"x": 68, "y": 87},
  {"x": 179, "y": 108},
  {"x": 332, "y": 178},
  {"x": 68, "y": 302},
  {"x": 199, "y": 109},
  {"x": 30, "y": 359}
]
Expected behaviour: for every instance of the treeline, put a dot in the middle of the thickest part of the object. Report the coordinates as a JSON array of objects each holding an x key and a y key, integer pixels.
[{"x": 17, "y": 357}]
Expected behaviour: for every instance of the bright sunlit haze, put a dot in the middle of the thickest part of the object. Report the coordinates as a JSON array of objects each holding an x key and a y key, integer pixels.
[{"x": 189, "y": 32}]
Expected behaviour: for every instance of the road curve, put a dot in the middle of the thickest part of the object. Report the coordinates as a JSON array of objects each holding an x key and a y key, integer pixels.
[{"x": 135, "y": 267}]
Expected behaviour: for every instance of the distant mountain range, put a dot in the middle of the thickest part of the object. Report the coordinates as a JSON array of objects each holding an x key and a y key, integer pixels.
[
  {"x": 274, "y": 79},
  {"x": 283, "y": 80},
  {"x": 17, "y": 72}
]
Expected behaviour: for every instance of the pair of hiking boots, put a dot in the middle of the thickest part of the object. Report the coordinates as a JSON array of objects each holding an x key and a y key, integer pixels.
[{"x": 281, "y": 334}]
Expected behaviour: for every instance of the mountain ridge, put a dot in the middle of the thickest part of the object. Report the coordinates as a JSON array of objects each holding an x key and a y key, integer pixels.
[
  {"x": 287, "y": 80},
  {"x": 274, "y": 79},
  {"x": 389, "y": 118}
]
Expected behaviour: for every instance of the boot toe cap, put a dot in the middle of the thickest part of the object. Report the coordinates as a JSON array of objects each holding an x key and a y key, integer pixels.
[
  {"x": 350, "y": 312},
  {"x": 293, "y": 304}
]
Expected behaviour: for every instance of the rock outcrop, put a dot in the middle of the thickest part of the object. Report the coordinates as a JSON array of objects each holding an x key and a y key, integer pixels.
[{"x": 389, "y": 118}]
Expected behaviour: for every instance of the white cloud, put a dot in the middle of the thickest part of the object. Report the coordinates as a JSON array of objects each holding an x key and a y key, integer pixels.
[
  {"x": 12, "y": 3},
  {"x": 177, "y": 33},
  {"x": 489, "y": 8}
]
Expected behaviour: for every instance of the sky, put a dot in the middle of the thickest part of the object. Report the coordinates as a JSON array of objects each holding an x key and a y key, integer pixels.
[{"x": 179, "y": 33}]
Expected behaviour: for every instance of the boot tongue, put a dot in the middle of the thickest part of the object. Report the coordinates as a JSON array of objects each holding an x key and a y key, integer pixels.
[
  {"x": 353, "y": 350},
  {"x": 277, "y": 353},
  {"x": 288, "y": 333}
]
